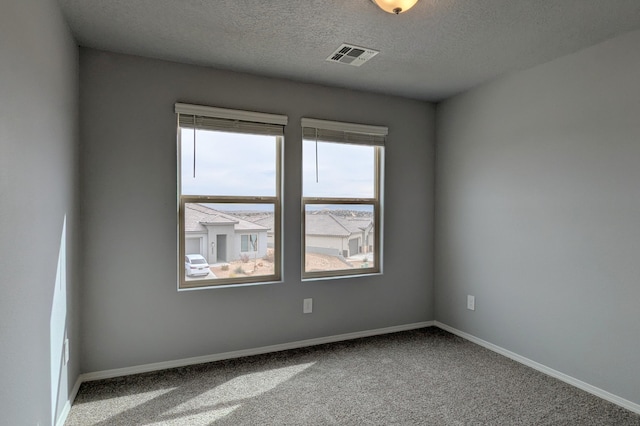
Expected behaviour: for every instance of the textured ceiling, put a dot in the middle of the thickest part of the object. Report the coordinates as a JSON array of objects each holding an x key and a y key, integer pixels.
[{"x": 435, "y": 50}]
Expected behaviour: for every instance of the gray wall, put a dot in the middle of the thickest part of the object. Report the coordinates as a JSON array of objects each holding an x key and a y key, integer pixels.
[
  {"x": 538, "y": 214},
  {"x": 38, "y": 175},
  {"x": 131, "y": 311}
]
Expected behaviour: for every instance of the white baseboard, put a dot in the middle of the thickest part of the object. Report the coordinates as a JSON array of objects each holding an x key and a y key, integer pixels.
[
  {"x": 631, "y": 406},
  {"x": 67, "y": 406},
  {"x": 65, "y": 412},
  {"x": 107, "y": 374}
]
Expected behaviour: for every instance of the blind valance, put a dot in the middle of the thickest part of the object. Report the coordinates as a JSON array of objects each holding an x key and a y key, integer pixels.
[
  {"x": 229, "y": 120},
  {"x": 335, "y": 131}
]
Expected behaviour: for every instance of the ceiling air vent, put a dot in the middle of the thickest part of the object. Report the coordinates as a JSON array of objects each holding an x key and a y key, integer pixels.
[{"x": 352, "y": 55}]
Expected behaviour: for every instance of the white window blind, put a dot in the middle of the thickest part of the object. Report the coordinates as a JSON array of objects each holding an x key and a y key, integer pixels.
[
  {"x": 229, "y": 120},
  {"x": 336, "y": 131}
]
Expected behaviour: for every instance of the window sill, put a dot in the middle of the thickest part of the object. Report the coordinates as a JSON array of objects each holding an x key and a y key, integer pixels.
[
  {"x": 341, "y": 277},
  {"x": 215, "y": 287}
]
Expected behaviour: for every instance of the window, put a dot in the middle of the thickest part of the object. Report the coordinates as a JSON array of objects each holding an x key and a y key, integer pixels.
[
  {"x": 341, "y": 204},
  {"x": 249, "y": 242},
  {"x": 229, "y": 196}
]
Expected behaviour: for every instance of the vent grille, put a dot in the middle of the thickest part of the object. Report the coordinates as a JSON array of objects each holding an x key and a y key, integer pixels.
[{"x": 352, "y": 55}]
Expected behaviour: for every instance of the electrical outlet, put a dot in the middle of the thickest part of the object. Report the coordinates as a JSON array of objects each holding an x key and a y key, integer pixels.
[
  {"x": 471, "y": 303},
  {"x": 307, "y": 306}
]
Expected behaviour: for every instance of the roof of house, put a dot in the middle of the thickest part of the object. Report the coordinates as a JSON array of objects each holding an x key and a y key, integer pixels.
[
  {"x": 325, "y": 224},
  {"x": 356, "y": 224},
  {"x": 266, "y": 221},
  {"x": 196, "y": 216},
  {"x": 330, "y": 225}
]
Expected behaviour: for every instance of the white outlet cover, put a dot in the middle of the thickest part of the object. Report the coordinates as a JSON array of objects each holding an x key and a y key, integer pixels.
[
  {"x": 471, "y": 303},
  {"x": 307, "y": 306}
]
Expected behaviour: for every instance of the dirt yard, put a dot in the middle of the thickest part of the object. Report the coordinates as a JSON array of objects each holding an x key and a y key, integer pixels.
[
  {"x": 264, "y": 266},
  {"x": 324, "y": 262},
  {"x": 253, "y": 267}
]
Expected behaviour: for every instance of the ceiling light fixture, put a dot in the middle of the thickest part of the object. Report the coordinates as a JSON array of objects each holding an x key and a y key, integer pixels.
[{"x": 395, "y": 6}]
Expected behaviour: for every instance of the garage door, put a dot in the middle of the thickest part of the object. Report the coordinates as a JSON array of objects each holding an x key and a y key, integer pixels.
[
  {"x": 192, "y": 246},
  {"x": 353, "y": 247}
]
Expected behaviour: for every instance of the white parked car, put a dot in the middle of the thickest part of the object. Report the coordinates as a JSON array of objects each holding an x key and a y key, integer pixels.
[{"x": 195, "y": 264}]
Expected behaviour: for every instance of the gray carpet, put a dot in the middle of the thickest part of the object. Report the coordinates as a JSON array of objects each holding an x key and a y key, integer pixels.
[{"x": 421, "y": 377}]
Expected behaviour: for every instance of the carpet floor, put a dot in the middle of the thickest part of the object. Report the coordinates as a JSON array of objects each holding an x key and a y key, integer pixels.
[{"x": 420, "y": 377}]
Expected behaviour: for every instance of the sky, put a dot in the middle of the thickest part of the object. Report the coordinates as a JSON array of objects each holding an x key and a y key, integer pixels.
[
  {"x": 244, "y": 165},
  {"x": 344, "y": 170}
]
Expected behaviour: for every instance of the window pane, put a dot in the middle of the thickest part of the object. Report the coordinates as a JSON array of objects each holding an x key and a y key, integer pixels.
[
  {"x": 339, "y": 237},
  {"x": 233, "y": 240},
  {"x": 236, "y": 164},
  {"x": 343, "y": 170}
]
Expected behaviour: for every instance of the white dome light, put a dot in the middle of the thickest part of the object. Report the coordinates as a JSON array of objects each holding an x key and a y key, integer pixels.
[{"x": 395, "y": 6}]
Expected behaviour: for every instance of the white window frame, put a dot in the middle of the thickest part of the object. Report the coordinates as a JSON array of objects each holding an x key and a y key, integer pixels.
[
  {"x": 223, "y": 119},
  {"x": 349, "y": 133}
]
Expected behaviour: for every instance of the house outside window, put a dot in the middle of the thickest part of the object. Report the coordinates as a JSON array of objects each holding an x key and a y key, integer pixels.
[
  {"x": 226, "y": 210},
  {"x": 342, "y": 198}
]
